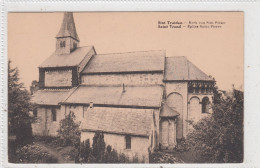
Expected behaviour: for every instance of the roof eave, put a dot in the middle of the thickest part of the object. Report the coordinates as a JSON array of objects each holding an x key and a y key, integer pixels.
[
  {"x": 111, "y": 105},
  {"x": 185, "y": 80},
  {"x": 118, "y": 133},
  {"x": 122, "y": 72}
]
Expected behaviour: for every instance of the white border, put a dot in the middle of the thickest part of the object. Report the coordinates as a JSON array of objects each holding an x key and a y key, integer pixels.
[{"x": 251, "y": 63}]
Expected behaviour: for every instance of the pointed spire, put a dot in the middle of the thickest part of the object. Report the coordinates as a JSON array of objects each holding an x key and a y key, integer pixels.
[{"x": 68, "y": 28}]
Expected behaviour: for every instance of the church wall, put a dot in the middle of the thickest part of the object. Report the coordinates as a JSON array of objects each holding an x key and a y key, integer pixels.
[
  {"x": 44, "y": 124},
  {"x": 70, "y": 45},
  {"x": 167, "y": 133},
  {"x": 156, "y": 128},
  {"x": 139, "y": 145},
  {"x": 176, "y": 97},
  {"x": 63, "y": 50},
  {"x": 56, "y": 78},
  {"x": 195, "y": 106},
  {"x": 78, "y": 111},
  {"x": 119, "y": 79}
]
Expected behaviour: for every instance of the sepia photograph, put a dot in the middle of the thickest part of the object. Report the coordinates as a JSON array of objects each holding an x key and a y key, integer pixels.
[{"x": 125, "y": 87}]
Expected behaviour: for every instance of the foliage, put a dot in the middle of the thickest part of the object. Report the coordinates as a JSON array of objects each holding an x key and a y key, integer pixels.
[
  {"x": 163, "y": 157},
  {"x": 19, "y": 120},
  {"x": 53, "y": 141},
  {"x": 111, "y": 155},
  {"x": 98, "y": 146},
  {"x": 99, "y": 152},
  {"x": 85, "y": 151},
  {"x": 216, "y": 95},
  {"x": 219, "y": 137},
  {"x": 69, "y": 130},
  {"x": 34, "y": 153}
]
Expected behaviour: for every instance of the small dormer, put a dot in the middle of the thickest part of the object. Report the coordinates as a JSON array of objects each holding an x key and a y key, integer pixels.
[{"x": 67, "y": 38}]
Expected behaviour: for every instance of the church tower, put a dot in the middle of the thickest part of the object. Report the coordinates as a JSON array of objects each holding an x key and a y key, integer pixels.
[{"x": 67, "y": 38}]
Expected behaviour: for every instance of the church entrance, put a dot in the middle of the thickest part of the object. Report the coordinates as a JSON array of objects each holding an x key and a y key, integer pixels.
[{"x": 167, "y": 133}]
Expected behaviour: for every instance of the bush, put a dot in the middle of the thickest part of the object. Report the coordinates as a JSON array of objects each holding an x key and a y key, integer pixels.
[
  {"x": 69, "y": 131},
  {"x": 35, "y": 154},
  {"x": 99, "y": 153},
  {"x": 111, "y": 156},
  {"x": 98, "y": 146},
  {"x": 181, "y": 145},
  {"x": 50, "y": 140},
  {"x": 85, "y": 151}
]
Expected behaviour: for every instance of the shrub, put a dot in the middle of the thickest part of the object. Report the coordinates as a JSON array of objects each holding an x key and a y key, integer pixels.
[
  {"x": 135, "y": 159},
  {"x": 35, "y": 154},
  {"x": 111, "y": 156},
  {"x": 99, "y": 153},
  {"x": 181, "y": 145},
  {"x": 69, "y": 131},
  {"x": 98, "y": 146},
  {"x": 85, "y": 151}
]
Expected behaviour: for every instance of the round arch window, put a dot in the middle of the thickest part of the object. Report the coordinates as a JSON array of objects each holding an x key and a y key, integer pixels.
[{"x": 205, "y": 105}]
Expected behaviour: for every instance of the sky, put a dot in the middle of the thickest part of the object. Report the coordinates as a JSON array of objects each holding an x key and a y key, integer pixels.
[{"x": 218, "y": 52}]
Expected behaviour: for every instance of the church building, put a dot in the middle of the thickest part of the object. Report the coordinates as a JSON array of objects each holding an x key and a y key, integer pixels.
[{"x": 141, "y": 100}]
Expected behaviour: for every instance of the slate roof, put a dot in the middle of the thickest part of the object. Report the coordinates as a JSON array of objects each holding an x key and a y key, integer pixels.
[
  {"x": 113, "y": 95},
  {"x": 72, "y": 59},
  {"x": 127, "y": 62},
  {"x": 68, "y": 28},
  {"x": 167, "y": 111},
  {"x": 50, "y": 97},
  {"x": 180, "y": 68},
  {"x": 138, "y": 122}
]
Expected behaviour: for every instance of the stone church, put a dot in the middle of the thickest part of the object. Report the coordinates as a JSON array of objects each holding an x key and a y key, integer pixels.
[{"x": 141, "y": 101}]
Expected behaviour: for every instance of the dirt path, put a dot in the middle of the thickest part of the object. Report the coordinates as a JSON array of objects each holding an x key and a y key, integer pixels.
[{"x": 53, "y": 152}]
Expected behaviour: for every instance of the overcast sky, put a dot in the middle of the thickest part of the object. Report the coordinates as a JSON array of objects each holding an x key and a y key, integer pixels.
[{"x": 216, "y": 51}]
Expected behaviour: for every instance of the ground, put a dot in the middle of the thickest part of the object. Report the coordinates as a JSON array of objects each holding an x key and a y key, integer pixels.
[
  {"x": 61, "y": 153},
  {"x": 166, "y": 157}
]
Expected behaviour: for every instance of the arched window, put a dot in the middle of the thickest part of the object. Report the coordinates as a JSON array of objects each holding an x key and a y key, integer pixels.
[
  {"x": 64, "y": 43},
  {"x": 61, "y": 44},
  {"x": 205, "y": 105}
]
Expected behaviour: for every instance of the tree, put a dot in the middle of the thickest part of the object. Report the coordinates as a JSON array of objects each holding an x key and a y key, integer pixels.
[
  {"x": 219, "y": 138},
  {"x": 85, "y": 151},
  {"x": 19, "y": 120},
  {"x": 69, "y": 130},
  {"x": 98, "y": 146},
  {"x": 99, "y": 153}
]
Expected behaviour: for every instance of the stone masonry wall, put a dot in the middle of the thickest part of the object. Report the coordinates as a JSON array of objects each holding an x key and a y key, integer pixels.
[
  {"x": 58, "y": 78},
  {"x": 195, "y": 106},
  {"x": 139, "y": 145},
  {"x": 44, "y": 124},
  {"x": 179, "y": 92}
]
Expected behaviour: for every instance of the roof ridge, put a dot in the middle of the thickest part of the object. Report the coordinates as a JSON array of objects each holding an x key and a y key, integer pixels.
[
  {"x": 86, "y": 46},
  {"x": 176, "y": 56},
  {"x": 120, "y": 85},
  {"x": 132, "y": 52}
]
